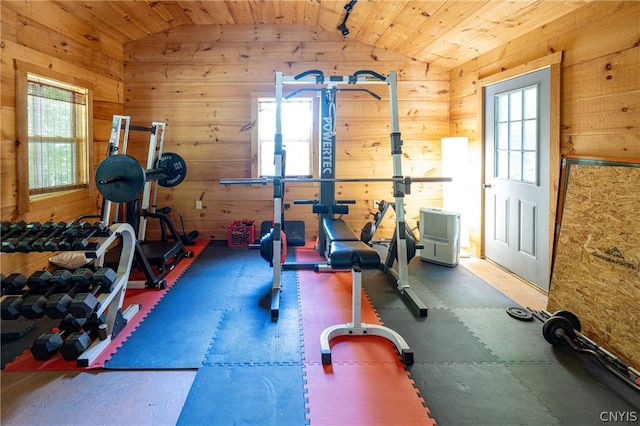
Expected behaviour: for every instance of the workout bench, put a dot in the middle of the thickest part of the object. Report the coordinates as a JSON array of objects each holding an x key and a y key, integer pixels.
[{"x": 346, "y": 251}]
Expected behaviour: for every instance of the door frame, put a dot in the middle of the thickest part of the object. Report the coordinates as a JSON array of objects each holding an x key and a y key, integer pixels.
[{"x": 554, "y": 62}]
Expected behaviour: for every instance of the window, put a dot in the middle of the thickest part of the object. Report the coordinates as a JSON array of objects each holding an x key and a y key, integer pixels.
[
  {"x": 57, "y": 130},
  {"x": 516, "y": 135},
  {"x": 297, "y": 135},
  {"x": 54, "y": 132}
]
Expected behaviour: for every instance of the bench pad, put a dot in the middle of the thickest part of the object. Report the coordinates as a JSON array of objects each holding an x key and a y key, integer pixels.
[
  {"x": 345, "y": 254},
  {"x": 338, "y": 230}
]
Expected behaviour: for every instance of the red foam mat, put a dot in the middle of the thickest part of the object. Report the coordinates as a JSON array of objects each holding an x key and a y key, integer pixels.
[
  {"x": 367, "y": 383},
  {"x": 148, "y": 299}
]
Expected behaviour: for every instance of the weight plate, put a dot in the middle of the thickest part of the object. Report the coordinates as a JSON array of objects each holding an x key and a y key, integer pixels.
[
  {"x": 366, "y": 232},
  {"x": 130, "y": 178},
  {"x": 173, "y": 167},
  {"x": 573, "y": 319},
  {"x": 519, "y": 313},
  {"x": 551, "y": 331}
]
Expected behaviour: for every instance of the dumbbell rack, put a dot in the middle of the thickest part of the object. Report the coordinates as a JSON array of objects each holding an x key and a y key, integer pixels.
[{"x": 111, "y": 303}]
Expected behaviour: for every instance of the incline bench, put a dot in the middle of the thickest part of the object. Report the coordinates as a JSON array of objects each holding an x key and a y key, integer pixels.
[{"x": 346, "y": 251}]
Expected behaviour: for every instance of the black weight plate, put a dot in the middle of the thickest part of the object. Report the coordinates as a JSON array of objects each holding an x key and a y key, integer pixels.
[
  {"x": 173, "y": 167},
  {"x": 366, "y": 232},
  {"x": 132, "y": 178},
  {"x": 573, "y": 319},
  {"x": 551, "y": 327},
  {"x": 519, "y": 313}
]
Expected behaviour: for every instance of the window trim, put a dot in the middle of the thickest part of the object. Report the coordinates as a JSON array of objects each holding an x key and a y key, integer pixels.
[
  {"x": 255, "y": 143},
  {"x": 22, "y": 71}
]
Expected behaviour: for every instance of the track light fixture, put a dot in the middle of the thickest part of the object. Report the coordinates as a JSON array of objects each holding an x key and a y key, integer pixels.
[{"x": 343, "y": 26}]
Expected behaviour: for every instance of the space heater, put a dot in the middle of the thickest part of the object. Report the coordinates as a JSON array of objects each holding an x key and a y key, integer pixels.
[{"x": 440, "y": 236}]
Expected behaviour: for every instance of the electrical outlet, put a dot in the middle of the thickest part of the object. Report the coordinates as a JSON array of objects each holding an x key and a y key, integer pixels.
[
  {"x": 198, "y": 204},
  {"x": 376, "y": 204}
]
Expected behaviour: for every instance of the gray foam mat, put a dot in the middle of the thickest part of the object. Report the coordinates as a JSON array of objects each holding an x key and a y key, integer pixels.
[
  {"x": 479, "y": 395},
  {"x": 509, "y": 339},
  {"x": 441, "y": 337},
  {"x": 578, "y": 391},
  {"x": 384, "y": 293},
  {"x": 455, "y": 287}
]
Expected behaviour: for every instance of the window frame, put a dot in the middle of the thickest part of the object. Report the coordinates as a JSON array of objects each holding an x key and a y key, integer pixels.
[
  {"x": 24, "y": 197},
  {"x": 255, "y": 142}
]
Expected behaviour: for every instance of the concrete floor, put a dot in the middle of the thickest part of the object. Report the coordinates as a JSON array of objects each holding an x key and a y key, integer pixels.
[{"x": 153, "y": 397}]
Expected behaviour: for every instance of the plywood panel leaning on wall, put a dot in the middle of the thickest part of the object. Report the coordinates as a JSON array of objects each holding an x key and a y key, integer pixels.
[{"x": 596, "y": 274}]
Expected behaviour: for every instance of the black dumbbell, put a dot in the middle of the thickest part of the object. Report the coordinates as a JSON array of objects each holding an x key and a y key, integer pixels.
[
  {"x": 81, "y": 236},
  {"x": 9, "y": 245},
  {"x": 12, "y": 305},
  {"x": 74, "y": 231},
  {"x": 26, "y": 244},
  {"x": 58, "y": 304},
  {"x": 78, "y": 341},
  {"x": 84, "y": 304},
  {"x": 47, "y": 344},
  {"x": 11, "y": 230},
  {"x": 13, "y": 284},
  {"x": 34, "y": 306},
  {"x": 49, "y": 241}
]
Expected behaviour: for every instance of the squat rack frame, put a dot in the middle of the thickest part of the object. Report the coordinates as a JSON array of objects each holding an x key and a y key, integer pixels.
[{"x": 401, "y": 184}]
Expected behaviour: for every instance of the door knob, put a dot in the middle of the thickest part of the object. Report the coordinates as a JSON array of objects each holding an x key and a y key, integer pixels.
[{"x": 486, "y": 185}]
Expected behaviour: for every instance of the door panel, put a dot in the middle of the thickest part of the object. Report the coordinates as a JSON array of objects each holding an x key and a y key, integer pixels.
[
  {"x": 501, "y": 224},
  {"x": 517, "y": 146},
  {"x": 527, "y": 225}
]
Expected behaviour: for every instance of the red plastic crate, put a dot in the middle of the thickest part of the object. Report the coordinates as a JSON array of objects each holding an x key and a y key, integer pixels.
[{"x": 241, "y": 233}]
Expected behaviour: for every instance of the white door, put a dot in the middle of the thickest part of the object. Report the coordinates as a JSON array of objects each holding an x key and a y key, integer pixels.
[{"x": 516, "y": 193}]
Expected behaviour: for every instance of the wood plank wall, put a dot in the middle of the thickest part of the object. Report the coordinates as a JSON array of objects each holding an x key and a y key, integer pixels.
[
  {"x": 600, "y": 95},
  {"x": 41, "y": 34},
  {"x": 200, "y": 79}
]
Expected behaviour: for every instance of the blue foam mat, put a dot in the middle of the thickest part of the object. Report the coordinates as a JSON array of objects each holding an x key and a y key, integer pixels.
[
  {"x": 247, "y": 336},
  {"x": 224, "y": 288},
  {"x": 243, "y": 394}
]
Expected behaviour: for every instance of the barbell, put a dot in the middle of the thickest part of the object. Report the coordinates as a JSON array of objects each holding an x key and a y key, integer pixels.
[
  {"x": 120, "y": 178},
  {"x": 407, "y": 180}
]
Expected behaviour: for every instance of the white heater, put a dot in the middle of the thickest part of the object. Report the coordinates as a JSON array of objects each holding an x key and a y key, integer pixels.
[{"x": 440, "y": 236}]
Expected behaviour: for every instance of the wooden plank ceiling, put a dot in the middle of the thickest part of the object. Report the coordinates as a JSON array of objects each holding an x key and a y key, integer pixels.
[{"x": 442, "y": 33}]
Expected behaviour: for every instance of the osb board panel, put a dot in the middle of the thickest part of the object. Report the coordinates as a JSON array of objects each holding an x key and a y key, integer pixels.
[{"x": 597, "y": 264}]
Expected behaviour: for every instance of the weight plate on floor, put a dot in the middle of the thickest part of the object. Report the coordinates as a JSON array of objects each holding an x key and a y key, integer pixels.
[
  {"x": 551, "y": 331},
  {"x": 573, "y": 319},
  {"x": 519, "y": 313}
]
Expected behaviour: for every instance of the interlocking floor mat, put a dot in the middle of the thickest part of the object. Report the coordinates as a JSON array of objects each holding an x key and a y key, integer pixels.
[
  {"x": 147, "y": 299},
  {"x": 179, "y": 331},
  {"x": 366, "y": 383}
]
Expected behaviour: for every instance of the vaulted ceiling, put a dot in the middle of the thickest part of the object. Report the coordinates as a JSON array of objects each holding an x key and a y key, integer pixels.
[{"x": 444, "y": 33}]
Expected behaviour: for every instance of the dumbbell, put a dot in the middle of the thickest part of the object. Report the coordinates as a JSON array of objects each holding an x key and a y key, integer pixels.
[
  {"x": 11, "y": 230},
  {"x": 58, "y": 240},
  {"x": 58, "y": 305},
  {"x": 34, "y": 305},
  {"x": 11, "y": 305},
  {"x": 76, "y": 237},
  {"x": 9, "y": 244},
  {"x": 74, "y": 231},
  {"x": 47, "y": 344},
  {"x": 26, "y": 244},
  {"x": 78, "y": 341},
  {"x": 84, "y": 304},
  {"x": 40, "y": 244},
  {"x": 13, "y": 284}
]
